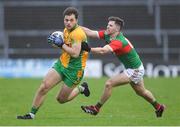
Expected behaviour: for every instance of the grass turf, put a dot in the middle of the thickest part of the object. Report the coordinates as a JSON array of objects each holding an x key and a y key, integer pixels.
[{"x": 123, "y": 108}]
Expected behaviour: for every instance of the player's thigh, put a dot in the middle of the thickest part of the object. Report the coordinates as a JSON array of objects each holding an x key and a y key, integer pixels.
[
  {"x": 52, "y": 78},
  {"x": 120, "y": 79}
]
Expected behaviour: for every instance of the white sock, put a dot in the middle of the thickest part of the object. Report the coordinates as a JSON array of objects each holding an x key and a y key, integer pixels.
[
  {"x": 32, "y": 115},
  {"x": 81, "y": 88}
]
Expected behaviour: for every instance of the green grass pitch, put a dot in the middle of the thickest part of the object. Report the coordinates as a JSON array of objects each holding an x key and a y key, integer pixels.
[{"x": 122, "y": 109}]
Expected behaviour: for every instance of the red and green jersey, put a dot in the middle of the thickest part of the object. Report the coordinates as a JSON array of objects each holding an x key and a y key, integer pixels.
[{"x": 123, "y": 49}]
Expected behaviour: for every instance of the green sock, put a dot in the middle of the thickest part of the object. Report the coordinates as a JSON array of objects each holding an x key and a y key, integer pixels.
[
  {"x": 155, "y": 104},
  {"x": 99, "y": 105},
  {"x": 34, "y": 110}
]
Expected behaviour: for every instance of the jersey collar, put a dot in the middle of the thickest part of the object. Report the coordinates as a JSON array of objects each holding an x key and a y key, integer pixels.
[
  {"x": 73, "y": 28},
  {"x": 114, "y": 38}
]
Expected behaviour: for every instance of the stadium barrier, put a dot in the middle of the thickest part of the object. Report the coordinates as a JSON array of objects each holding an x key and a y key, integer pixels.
[{"x": 16, "y": 68}]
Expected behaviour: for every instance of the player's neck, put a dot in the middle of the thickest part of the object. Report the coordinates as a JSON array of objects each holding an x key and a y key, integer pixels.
[{"x": 115, "y": 34}]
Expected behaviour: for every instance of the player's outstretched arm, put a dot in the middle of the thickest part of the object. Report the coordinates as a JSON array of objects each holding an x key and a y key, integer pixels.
[
  {"x": 90, "y": 33},
  {"x": 101, "y": 50}
]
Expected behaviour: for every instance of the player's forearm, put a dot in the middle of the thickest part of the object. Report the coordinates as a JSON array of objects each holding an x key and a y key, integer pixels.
[
  {"x": 102, "y": 50},
  {"x": 72, "y": 51},
  {"x": 90, "y": 33},
  {"x": 86, "y": 30},
  {"x": 98, "y": 50}
]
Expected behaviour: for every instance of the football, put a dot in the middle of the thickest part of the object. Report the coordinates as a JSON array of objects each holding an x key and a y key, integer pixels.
[{"x": 58, "y": 34}]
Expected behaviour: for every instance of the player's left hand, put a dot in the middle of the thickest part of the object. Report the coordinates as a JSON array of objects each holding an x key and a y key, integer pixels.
[{"x": 57, "y": 41}]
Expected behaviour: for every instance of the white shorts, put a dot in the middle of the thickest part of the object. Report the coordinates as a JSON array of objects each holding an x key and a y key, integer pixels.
[{"x": 135, "y": 75}]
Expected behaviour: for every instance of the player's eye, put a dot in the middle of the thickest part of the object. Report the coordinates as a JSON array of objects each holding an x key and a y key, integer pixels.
[
  {"x": 72, "y": 20},
  {"x": 66, "y": 20}
]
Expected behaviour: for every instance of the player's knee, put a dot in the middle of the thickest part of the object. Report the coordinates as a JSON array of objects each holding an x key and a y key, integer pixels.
[
  {"x": 44, "y": 87},
  {"x": 108, "y": 84},
  {"x": 61, "y": 100}
]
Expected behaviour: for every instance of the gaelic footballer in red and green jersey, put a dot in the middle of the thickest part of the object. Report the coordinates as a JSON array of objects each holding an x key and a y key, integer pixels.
[{"x": 123, "y": 49}]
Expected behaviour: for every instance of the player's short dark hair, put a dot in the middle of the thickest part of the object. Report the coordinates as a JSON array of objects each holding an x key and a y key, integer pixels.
[
  {"x": 70, "y": 11},
  {"x": 117, "y": 20}
]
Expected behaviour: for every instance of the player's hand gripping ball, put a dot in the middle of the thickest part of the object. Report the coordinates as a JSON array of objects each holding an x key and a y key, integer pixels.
[{"x": 56, "y": 39}]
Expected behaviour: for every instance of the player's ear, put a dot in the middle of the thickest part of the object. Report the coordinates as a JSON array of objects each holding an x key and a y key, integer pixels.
[{"x": 118, "y": 28}]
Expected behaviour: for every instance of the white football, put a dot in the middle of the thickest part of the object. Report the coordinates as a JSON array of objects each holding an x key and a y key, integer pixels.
[{"x": 58, "y": 34}]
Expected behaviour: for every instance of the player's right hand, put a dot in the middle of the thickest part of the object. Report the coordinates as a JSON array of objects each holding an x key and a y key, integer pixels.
[{"x": 57, "y": 41}]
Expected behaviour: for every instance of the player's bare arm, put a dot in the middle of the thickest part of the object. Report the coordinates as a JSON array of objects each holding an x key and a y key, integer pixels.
[
  {"x": 74, "y": 51},
  {"x": 102, "y": 50},
  {"x": 90, "y": 33}
]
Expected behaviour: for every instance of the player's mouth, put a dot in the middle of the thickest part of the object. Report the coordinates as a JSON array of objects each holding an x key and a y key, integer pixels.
[
  {"x": 68, "y": 26},
  {"x": 107, "y": 31}
]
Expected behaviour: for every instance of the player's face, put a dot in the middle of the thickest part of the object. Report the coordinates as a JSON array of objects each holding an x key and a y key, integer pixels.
[
  {"x": 70, "y": 21},
  {"x": 111, "y": 28}
]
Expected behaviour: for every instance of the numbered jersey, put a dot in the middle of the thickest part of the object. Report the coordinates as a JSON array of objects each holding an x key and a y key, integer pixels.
[{"x": 123, "y": 49}]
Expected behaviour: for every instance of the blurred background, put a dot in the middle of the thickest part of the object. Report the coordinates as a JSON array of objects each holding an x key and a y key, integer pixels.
[{"x": 153, "y": 27}]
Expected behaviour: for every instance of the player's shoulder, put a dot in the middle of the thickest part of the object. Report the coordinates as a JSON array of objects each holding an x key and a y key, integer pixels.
[
  {"x": 78, "y": 31},
  {"x": 120, "y": 37}
]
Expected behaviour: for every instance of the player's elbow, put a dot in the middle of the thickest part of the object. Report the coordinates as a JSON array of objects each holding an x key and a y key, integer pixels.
[
  {"x": 75, "y": 52},
  {"x": 74, "y": 55}
]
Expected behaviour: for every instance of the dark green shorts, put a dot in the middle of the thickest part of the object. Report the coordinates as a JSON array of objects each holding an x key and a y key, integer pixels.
[{"x": 69, "y": 76}]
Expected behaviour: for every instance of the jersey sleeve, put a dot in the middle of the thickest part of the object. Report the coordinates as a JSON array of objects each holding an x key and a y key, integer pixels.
[
  {"x": 101, "y": 34},
  {"x": 115, "y": 45}
]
